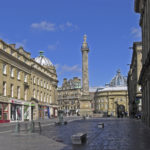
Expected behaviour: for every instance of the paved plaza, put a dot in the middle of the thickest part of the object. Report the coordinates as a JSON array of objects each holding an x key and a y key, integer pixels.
[{"x": 118, "y": 134}]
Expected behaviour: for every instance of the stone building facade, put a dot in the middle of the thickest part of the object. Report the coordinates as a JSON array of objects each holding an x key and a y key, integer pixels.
[
  {"x": 134, "y": 89},
  {"x": 143, "y": 8},
  {"x": 27, "y": 87},
  {"x": 69, "y": 95},
  {"x": 112, "y": 97}
]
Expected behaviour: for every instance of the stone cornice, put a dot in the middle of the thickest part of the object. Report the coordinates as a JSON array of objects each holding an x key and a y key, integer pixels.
[
  {"x": 42, "y": 74},
  {"x": 14, "y": 49},
  {"x": 14, "y": 61}
]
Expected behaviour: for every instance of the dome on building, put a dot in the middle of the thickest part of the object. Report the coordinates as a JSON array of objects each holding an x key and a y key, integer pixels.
[
  {"x": 42, "y": 60},
  {"x": 118, "y": 80}
]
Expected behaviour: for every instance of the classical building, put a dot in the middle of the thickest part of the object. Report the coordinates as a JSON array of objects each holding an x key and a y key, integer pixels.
[
  {"x": 85, "y": 100},
  {"x": 28, "y": 86},
  {"x": 134, "y": 89},
  {"x": 92, "y": 91},
  {"x": 112, "y": 97},
  {"x": 69, "y": 95},
  {"x": 143, "y": 8}
]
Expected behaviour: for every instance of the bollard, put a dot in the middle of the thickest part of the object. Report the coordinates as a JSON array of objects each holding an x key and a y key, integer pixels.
[
  {"x": 101, "y": 125},
  {"x": 40, "y": 129},
  {"x": 32, "y": 127},
  {"x": 26, "y": 127},
  {"x": 17, "y": 129},
  {"x": 84, "y": 118},
  {"x": 57, "y": 123},
  {"x": 79, "y": 138},
  {"x": 61, "y": 118},
  {"x": 65, "y": 122}
]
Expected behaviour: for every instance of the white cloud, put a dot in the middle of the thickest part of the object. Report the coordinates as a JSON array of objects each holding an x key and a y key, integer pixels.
[
  {"x": 69, "y": 24},
  {"x": 47, "y": 26},
  {"x": 73, "y": 69},
  {"x": 53, "y": 46},
  {"x": 65, "y": 69},
  {"x": 136, "y": 32}
]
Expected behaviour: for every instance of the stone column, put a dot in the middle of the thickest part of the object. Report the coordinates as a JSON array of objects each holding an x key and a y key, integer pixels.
[
  {"x": 85, "y": 101},
  {"x": 85, "y": 76}
]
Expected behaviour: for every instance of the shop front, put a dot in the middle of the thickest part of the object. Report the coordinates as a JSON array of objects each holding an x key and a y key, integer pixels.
[
  {"x": 16, "y": 110},
  {"x": 46, "y": 112},
  {"x": 4, "y": 112},
  {"x": 27, "y": 111},
  {"x": 55, "y": 111},
  {"x": 41, "y": 112}
]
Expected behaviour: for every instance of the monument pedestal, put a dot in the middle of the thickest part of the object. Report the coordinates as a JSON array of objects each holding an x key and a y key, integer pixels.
[{"x": 85, "y": 106}]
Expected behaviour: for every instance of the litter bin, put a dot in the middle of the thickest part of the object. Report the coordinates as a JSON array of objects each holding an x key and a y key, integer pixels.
[{"x": 60, "y": 116}]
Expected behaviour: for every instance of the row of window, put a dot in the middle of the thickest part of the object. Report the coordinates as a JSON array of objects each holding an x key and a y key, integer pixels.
[
  {"x": 103, "y": 106},
  {"x": 12, "y": 91},
  {"x": 12, "y": 70},
  {"x": 70, "y": 101},
  {"x": 102, "y": 100},
  {"x": 41, "y": 83},
  {"x": 40, "y": 96}
]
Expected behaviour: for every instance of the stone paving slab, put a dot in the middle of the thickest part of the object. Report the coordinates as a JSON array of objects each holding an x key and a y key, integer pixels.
[
  {"x": 118, "y": 134},
  {"x": 28, "y": 142}
]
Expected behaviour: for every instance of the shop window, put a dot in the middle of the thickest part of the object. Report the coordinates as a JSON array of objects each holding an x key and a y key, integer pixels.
[
  {"x": 3, "y": 111},
  {"x": 4, "y": 69},
  {"x": 18, "y": 92},
  {"x": 4, "y": 88},
  {"x": 12, "y": 90},
  {"x": 18, "y": 75},
  {"x": 25, "y": 77},
  {"x": 26, "y": 112},
  {"x": 16, "y": 112}
]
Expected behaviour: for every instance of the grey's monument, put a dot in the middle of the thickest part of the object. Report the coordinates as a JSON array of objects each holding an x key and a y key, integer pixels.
[{"x": 85, "y": 101}]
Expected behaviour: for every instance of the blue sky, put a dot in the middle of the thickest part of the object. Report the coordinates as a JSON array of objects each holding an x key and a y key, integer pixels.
[{"x": 57, "y": 28}]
